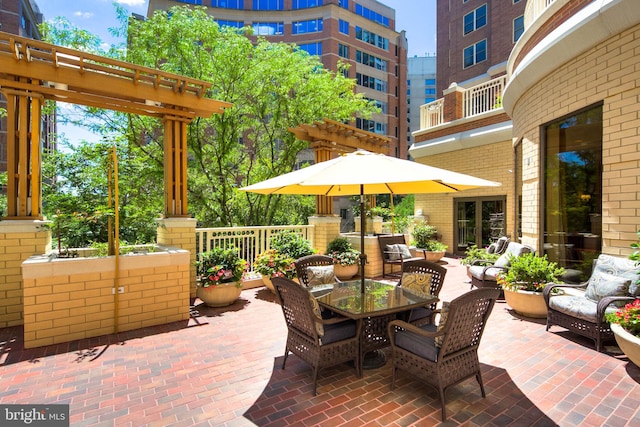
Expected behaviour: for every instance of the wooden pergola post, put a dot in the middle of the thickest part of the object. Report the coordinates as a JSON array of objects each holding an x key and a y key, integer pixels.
[{"x": 175, "y": 168}]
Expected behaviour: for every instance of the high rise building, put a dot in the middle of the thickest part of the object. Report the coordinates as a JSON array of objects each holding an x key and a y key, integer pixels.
[
  {"x": 20, "y": 17},
  {"x": 361, "y": 33},
  {"x": 421, "y": 89}
]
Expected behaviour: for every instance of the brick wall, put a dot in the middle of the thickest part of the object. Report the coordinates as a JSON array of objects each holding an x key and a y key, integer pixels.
[
  {"x": 18, "y": 241},
  {"x": 609, "y": 74},
  {"x": 71, "y": 299},
  {"x": 180, "y": 233}
]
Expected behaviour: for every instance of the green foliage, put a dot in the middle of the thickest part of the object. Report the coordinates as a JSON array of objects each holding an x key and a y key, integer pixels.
[
  {"x": 530, "y": 272},
  {"x": 423, "y": 233},
  {"x": 272, "y": 263},
  {"x": 3, "y": 195},
  {"x": 291, "y": 244},
  {"x": 474, "y": 253},
  {"x": 434, "y": 246},
  {"x": 342, "y": 252},
  {"x": 221, "y": 265}
]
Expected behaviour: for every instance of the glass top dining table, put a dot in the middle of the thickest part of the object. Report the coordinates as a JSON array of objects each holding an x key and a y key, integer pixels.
[{"x": 378, "y": 299}]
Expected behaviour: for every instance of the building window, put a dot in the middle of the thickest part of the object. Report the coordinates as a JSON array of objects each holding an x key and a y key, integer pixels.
[
  {"x": 344, "y": 4},
  {"x": 234, "y": 24},
  {"x": 371, "y": 82},
  {"x": 343, "y": 50},
  {"x": 430, "y": 91},
  {"x": 268, "y": 28},
  {"x": 518, "y": 28},
  {"x": 304, "y": 4},
  {"x": 572, "y": 188},
  {"x": 344, "y": 27},
  {"x": 428, "y": 100},
  {"x": 196, "y": 2},
  {"x": 372, "y": 38},
  {"x": 228, "y": 4},
  {"x": 371, "y": 126},
  {"x": 371, "y": 60},
  {"x": 475, "y": 19},
  {"x": 312, "y": 48},
  {"x": 372, "y": 15},
  {"x": 311, "y": 26},
  {"x": 268, "y": 4},
  {"x": 431, "y": 82},
  {"x": 475, "y": 53}
]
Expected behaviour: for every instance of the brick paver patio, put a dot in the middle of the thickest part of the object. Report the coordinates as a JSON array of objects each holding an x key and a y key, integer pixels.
[{"x": 222, "y": 368}]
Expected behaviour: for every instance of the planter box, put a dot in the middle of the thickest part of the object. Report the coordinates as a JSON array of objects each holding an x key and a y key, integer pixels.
[{"x": 67, "y": 299}]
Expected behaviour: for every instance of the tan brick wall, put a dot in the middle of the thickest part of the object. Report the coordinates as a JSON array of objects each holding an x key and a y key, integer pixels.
[
  {"x": 18, "y": 241},
  {"x": 326, "y": 228},
  {"x": 71, "y": 299},
  {"x": 180, "y": 233},
  {"x": 493, "y": 162},
  {"x": 608, "y": 73}
]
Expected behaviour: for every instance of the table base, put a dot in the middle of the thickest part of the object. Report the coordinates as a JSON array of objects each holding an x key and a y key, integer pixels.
[{"x": 374, "y": 359}]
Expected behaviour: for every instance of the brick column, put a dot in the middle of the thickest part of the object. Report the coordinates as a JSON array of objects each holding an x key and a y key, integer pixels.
[
  {"x": 181, "y": 233},
  {"x": 326, "y": 228},
  {"x": 19, "y": 239},
  {"x": 453, "y": 103}
]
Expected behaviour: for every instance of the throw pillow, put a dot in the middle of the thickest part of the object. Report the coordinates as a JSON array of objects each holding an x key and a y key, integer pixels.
[
  {"x": 393, "y": 253},
  {"x": 318, "y": 315},
  {"x": 320, "y": 275},
  {"x": 444, "y": 313},
  {"x": 492, "y": 248},
  {"x": 602, "y": 284},
  {"x": 419, "y": 283},
  {"x": 404, "y": 251}
]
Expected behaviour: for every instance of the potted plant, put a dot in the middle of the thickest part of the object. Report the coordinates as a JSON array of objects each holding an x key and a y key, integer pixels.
[
  {"x": 625, "y": 322},
  {"x": 345, "y": 258},
  {"x": 474, "y": 253},
  {"x": 272, "y": 263},
  {"x": 425, "y": 239},
  {"x": 220, "y": 272},
  {"x": 524, "y": 281}
]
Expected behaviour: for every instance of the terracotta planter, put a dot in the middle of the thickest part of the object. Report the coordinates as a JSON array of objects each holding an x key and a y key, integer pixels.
[
  {"x": 628, "y": 343},
  {"x": 526, "y": 303},
  {"x": 268, "y": 284},
  {"x": 345, "y": 272},
  {"x": 433, "y": 256},
  {"x": 219, "y": 296}
]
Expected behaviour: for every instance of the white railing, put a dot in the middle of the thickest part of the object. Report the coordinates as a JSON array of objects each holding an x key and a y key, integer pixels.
[
  {"x": 534, "y": 9},
  {"x": 483, "y": 97},
  {"x": 431, "y": 114},
  {"x": 249, "y": 241}
]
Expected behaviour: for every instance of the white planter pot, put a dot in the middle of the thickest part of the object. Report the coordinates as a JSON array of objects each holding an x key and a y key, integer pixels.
[{"x": 628, "y": 343}]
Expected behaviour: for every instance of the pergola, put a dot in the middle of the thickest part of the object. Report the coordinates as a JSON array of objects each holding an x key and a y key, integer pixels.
[
  {"x": 329, "y": 137},
  {"x": 32, "y": 71}
]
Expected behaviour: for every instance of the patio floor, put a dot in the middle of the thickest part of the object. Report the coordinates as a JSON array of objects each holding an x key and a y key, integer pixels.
[{"x": 222, "y": 368}]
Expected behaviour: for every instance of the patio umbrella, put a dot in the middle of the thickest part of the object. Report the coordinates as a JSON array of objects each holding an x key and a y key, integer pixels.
[{"x": 362, "y": 172}]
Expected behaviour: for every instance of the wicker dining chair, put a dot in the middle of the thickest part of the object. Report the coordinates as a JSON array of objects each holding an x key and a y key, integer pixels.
[
  {"x": 446, "y": 354},
  {"x": 319, "y": 342},
  {"x": 425, "y": 277},
  {"x": 307, "y": 277}
]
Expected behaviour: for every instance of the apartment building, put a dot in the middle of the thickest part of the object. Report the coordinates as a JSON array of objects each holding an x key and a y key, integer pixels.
[
  {"x": 421, "y": 89},
  {"x": 466, "y": 129},
  {"x": 20, "y": 17},
  {"x": 360, "y": 32}
]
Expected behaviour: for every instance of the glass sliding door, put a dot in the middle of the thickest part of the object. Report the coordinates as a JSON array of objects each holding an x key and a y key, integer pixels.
[
  {"x": 572, "y": 162},
  {"x": 479, "y": 221}
]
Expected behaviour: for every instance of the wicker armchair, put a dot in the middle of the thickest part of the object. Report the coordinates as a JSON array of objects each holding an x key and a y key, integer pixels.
[
  {"x": 581, "y": 309},
  {"x": 319, "y": 342},
  {"x": 483, "y": 275},
  {"x": 307, "y": 278},
  {"x": 445, "y": 355},
  {"x": 422, "y": 276}
]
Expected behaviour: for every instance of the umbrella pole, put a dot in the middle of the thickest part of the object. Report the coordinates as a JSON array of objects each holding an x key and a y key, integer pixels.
[{"x": 363, "y": 256}]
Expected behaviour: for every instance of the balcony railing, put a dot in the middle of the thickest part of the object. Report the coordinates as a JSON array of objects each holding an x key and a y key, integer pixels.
[
  {"x": 534, "y": 9},
  {"x": 250, "y": 241},
  {"x": 483, "y": 97},
  {"x": 476, "y": 100}
]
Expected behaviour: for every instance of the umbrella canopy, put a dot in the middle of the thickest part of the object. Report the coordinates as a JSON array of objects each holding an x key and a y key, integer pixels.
[{"x": 363, "y": 172}]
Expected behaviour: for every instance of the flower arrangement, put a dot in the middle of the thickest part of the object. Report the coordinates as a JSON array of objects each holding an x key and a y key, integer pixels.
[
  {"x": 628, "y": 317},
  {"x": 221, "y": 265},
  {"x": 342, "y": 252},
  {"x": 272, "y": 263},
  {"x": 529, "y": 272}
]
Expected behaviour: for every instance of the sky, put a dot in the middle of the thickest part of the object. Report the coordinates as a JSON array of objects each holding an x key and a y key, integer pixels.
[{"x": 416, "y": 17}]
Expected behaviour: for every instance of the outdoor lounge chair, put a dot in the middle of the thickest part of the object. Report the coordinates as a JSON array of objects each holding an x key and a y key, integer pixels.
[
  {"x": 484, "y": 274},
  {"x": 426, "y": 277},
  {"x": 613, "y": 282},
  {"x": 446, "y": 354},
  {"x": 319, "y": 342},
  {"x": 392, "y": 254}
]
